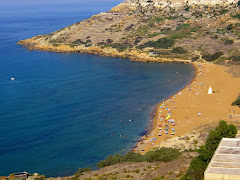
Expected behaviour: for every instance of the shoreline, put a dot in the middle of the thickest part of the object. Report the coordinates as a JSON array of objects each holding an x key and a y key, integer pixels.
[
  {"x": 152, "y": 120},
  {"x": 133, "y": 55},
  {"x": 151, "y": 131},
  {"x": 219, "y": 107}
]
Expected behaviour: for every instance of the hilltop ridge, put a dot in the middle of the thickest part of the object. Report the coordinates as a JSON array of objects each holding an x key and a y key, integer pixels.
[{"x": 176, "y": 3}]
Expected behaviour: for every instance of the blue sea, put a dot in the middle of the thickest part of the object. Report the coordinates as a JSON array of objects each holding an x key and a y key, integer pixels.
[{"x": 68, "y": 111}]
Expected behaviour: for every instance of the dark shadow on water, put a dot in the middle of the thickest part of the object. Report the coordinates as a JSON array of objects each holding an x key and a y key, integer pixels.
[{"x": 143, "y": 133}]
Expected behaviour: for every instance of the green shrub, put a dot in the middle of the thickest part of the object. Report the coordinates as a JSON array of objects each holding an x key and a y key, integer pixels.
[
  {"x": 223, "y": 11},
  {"x": 237, "y": 102},
  {"x": 229, "y": 27},
  {"x": 187, "y": 8},
  {"x": 132, "y": 157},
  {"x": 109, "y": 41},
  {"x": 78, "y": 41},
  {"x": 196, "y": 169},
  {"x": 195, "y": 58},
  {"x": 162, "y": 43},
  {"x": 171, "y": 17},
  {"x": 128, "y": 176},
  {"x": 80, "y": 171},
  {"x": 212, "y": 57},
  {"x": 236, "y": 16},
  {"x": 178, "y": 50},
  {"x": 197, "y": 14},
  {"x": 228, "y": 41},
  {"x": 110, "y": 160},
  {"x": 162, "y": 154},
  {"x": 235, "y": 58}
]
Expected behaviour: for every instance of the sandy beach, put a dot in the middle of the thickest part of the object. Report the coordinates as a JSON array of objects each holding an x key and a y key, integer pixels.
[{"x": 193, "y": 107}]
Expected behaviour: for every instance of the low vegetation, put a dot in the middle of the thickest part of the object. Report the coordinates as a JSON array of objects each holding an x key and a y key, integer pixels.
[
  {"x": 162, "y": 43},
  {"x": 120, "y": 47},
  {"x": 237, "y": 102},
  {"x": 199, "y": 164},
  {"x": 235, "y": 58},
  {"x": 81, "y": 171},
  {"x": 212, "y": 57},
  {"x": 163, "y": 154},
  {"x": 178, "y": 50},
  {"x": 229, "y": 41},
  {"x": 79, "y": 42}
]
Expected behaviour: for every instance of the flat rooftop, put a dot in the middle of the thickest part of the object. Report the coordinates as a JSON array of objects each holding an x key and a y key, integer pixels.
[{"x": 226, "y": 159}]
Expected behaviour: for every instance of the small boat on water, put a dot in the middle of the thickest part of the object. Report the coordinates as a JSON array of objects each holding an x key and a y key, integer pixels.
[{"x": 12, "y": 78}]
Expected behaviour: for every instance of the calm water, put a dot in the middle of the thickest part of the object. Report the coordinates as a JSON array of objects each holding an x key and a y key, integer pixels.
[{"x": 66, "y": 111}]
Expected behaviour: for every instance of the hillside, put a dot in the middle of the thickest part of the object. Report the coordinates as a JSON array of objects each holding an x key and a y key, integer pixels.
[{"x": 154, "y": 31}]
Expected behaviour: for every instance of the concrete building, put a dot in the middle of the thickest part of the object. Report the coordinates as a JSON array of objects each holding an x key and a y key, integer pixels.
[{"x": 225, "y": 163}]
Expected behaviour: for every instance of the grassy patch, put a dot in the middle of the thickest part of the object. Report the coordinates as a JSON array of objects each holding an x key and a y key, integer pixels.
[
  {"x": 142, "y": 31},
  {"x": 183, "y": 26},
  {"x": 195, "y": 29},
  {"x": 181, "y": 31}
]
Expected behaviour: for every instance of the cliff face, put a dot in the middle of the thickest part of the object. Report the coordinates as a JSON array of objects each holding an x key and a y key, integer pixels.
[{"x": 200, "y": 27}]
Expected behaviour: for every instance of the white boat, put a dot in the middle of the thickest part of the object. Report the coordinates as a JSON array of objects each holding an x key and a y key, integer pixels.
[{"x": 12, "y": 78}]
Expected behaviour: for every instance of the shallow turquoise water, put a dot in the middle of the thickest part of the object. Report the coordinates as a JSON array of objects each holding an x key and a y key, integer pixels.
[{"x": 66, "y": 111}]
